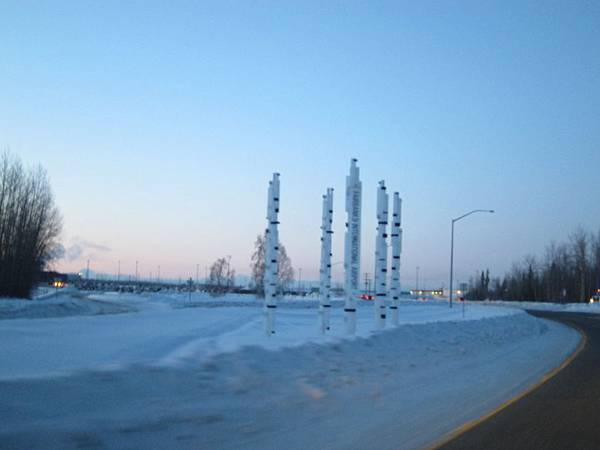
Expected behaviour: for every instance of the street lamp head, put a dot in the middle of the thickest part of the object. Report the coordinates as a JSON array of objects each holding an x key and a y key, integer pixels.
[{"x": 473, "y": 212}]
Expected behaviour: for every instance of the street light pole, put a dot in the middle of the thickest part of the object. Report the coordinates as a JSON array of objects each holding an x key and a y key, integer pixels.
[
  {"x": 452, "y": 244},
  {"x": 451, "y": 261},
  {"x": 418, "y": 278}
]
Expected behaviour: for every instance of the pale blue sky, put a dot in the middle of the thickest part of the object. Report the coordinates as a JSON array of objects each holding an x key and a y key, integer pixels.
[{"x": 160, "y": 124}]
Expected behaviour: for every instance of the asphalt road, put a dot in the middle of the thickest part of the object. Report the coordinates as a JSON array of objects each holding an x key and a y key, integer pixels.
[{"x": 563, "y": 413}]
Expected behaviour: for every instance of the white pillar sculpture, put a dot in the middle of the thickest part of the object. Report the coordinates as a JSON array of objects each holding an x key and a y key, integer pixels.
[
  {"x": 396, "y": 250},
  {"x": 325, "y": 270},
  {"x": 271, "y": 276},
  {"x": 381, "y": 256},
  {"x": 352, "y": 245}
]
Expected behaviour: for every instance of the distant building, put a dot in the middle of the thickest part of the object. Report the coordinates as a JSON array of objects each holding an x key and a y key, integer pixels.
[
  {"x": 49, "y": 276},
  {"x": 427, "y": 292},
  {"x": 73, "y": 277},
  {"x": 456, "y": 293}
]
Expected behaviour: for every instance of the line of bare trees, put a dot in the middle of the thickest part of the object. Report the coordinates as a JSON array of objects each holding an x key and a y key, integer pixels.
[
  {"x": 568, "y": 272},
  {"x": 29, "y": 226}
]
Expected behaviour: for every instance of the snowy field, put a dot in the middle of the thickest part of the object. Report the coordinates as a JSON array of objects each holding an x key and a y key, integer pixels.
[{"x": 161, "y": 371}]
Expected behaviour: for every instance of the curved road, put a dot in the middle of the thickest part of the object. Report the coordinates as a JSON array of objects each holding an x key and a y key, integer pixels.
[{"x": 563, "y": 413}]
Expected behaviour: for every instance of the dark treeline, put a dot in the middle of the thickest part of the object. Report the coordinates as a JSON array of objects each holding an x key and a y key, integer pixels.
[
  {"x": 29, "y": 226},
  {"x": 568, "y": 272}
]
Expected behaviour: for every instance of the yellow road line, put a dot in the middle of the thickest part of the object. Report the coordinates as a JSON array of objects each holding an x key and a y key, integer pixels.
[{"x": 473, "y": 423}]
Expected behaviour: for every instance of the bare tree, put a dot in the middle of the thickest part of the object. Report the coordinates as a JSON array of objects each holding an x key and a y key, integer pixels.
[
  {"x": 257, "y": 264},
  {"x": 222, "y": 276},
  {"x": 29, "y": 226},
  {"x": 286, "y": 271}
]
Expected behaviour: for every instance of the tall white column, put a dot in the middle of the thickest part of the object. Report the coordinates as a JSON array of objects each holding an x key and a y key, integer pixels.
[
  {"x": 271, "y": 278},
  {"x": 352, "y": 245},
  {"x": 396, "y": 250},
  {"x": 381, "y": 256},
  {"x": 325, "y": 270}
]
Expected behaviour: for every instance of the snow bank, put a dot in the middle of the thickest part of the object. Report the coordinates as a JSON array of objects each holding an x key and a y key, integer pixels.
[
  {"x": 171, "y": 331},
  {"x": 590, "y": 308},
  {"x": 401, "y": 388},
  {"x": 53, "y": 304},
  {"x": 206, "y": 377}
]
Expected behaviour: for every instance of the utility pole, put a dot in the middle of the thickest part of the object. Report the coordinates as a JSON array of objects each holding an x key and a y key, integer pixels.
[
  {"x": 418, "y": 277},
  {"x": 299, "y": 278},
  {"x": 227, "y": 282},
  {"x": 87, "y": 271},
  {"x": 367, "y": 284}
]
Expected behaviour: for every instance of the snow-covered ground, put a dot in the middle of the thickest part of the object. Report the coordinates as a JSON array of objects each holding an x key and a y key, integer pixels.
[
  {"x": 173, "y": 373},
  {"x": 58, "y": 304},
  {"x": 170, "y": 330},
  {"x": 590, "y": 308}
]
